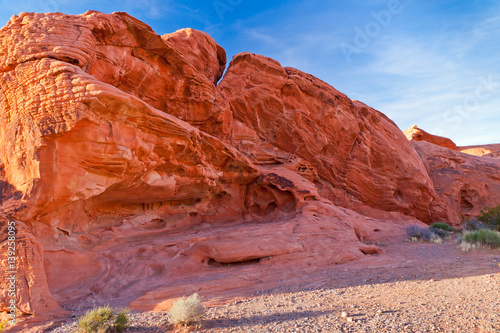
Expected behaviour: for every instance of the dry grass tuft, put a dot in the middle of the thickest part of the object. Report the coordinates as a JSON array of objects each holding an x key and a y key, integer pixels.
[{"x": 187, "y": 311}]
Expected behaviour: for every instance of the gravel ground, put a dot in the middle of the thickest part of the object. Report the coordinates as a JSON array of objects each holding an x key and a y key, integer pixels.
[
  {"x": 415, "y": 287},
  {"x": 449, "y": 305}
]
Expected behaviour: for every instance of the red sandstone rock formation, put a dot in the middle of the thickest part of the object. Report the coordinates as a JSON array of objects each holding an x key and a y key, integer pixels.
[
  {"x": 492, "y": 150},
  {"x": 200, "y": 50},
  {"x": 351, "y": 146},
  {"x": 465, "y": 182},
  {"x": 33, "y": 294},
  {"x": 416, "y": 134},
  {"x": 134, "y": 178}
]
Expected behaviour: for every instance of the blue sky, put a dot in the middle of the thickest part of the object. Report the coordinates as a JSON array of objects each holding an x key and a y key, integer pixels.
[{"x": 431, "y": 63}]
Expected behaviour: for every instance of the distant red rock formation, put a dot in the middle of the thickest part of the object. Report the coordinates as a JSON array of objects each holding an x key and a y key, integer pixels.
[
  {"x": 136, "y": 173},
  {"x": 465, "y": 178},
  {"x": 465, "y": 182},
  {"x": 492, "y": 150},
  {"x": 416, "y": 134}
]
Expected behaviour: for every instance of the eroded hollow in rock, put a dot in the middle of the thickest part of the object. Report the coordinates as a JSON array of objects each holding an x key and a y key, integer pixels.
[
  {"x": 254, "y": 261},
  {"x": 262, "y": 201},
  {"x": 466, "y": 199}
]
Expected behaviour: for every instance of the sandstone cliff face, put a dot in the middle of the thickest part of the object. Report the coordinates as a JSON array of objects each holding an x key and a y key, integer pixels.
[
  {"x": 135, "y": 177},
  {"x": 200, "y": 50},
  {"x": 466, "y": 179},
  {"x": 467, "y": 183},
  {"x": 350, "y": 145},
  {"x": 73, "y": 137},
  {"x": 80, "y": 155},
  {"x": 33, "y": 294},
  {"x": 175, "y": 73}
]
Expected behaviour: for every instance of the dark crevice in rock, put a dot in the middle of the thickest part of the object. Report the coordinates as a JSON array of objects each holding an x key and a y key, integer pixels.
[{"x": 254, "y": 261}]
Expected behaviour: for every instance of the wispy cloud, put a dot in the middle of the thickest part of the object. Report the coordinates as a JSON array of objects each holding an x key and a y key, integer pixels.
[
  {"x": 440, "y": 77},
  {"x": 410, "y": 58},
  {"x": 260, "y": 35}
]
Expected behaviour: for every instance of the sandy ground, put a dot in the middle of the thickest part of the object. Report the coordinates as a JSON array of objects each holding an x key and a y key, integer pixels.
[{"x": 414, "y": 287}]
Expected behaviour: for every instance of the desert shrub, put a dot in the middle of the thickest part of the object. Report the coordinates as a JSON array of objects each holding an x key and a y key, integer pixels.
[
  {"x": 416, "y": 233},
  {"x": 466, "y": 246},
  {"x": 186, "y": 311},
  {"x": 473, "y": 224},
  {"x": 485, "y": 237},
  {"x": 122, "y": 320},
  {"x": 490, "y": 217},
  {"x": 443, "y": 226},
  {"x": 104, "y": 320},
  {"x": 440, "y": 232}
]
